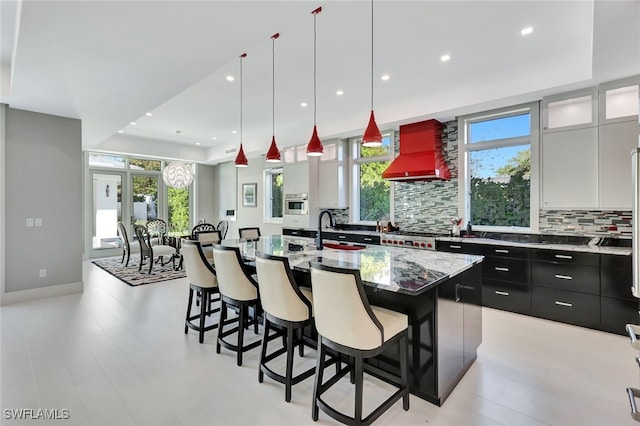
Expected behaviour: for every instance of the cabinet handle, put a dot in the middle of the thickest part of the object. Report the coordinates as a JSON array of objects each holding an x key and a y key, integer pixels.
[
  {"x": 568, "y": 305},
  {"x": 294, "y": 233},
  {"x": 342, "y": 237},
  {"x": 633, "y": 331},
  {"x": 368, "y": 239},
  {"x": 455, "y": 247},
  {"x": 457, "y": 294},
  {"x": 501, "y": 293},
  {"x": 633, "y": 394},
  {"x": 563, "y": 256},
  {"x": 502, "y": 269},
  {"x": 564, "y": 277},
  {"x": 502, "y": 251}
]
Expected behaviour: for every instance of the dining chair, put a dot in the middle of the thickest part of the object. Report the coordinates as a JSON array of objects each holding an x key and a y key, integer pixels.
[
  {"x": 126, "y": 248},
  {"x": 348, "y": 324},
  {"x": 157, "y": 252},
  {"x": 203, "y": 281},
  {"x": 287, "y": 310},
  {"x": 249, "y": 234},
  {"x": 239, "y": 291},
  {"x": 201, "y": 227},
  {"x": 223, "y": 227},
  {"x": 157, "y": 229}
]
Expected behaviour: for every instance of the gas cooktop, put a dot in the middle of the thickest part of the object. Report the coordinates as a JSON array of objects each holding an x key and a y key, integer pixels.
[{"x": 418, "y": 234}]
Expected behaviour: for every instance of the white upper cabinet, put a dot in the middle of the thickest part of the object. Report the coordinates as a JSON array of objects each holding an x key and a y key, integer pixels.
[
  {"x": 619, "y": 100},
  {"x": 570, "y": 169},
  {"x": 295, "y": 178},
  {"x": 332, "y": 176},
  {"x": 572, "y": 110},
  {"x": 615, "y": 141}
]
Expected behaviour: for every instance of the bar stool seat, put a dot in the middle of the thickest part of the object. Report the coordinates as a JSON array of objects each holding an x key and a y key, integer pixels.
[
  {"x": 349, "y": 325},
  {"x": 287, "y": 311}
]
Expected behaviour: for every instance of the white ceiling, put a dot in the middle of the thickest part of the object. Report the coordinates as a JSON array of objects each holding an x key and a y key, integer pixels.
[{"x": 110, "y": 62}]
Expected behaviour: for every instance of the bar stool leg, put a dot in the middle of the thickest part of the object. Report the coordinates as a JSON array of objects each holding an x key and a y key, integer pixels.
[
  {"x": 358, "y": 399},
  {"x": 223, "y": 315},
  {"x": 317, "y": 384},
  {"x": 241, "y": 321},
  {"x": 186, "y": 328},
  {"x": 289, "y": 372},
  {"x": 203, "y": 311},
  {"x": 263, "y": 352}
]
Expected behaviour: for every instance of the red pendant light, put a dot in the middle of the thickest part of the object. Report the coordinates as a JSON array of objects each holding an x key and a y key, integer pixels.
[
  {"x": 314, "y": 148},
  {"x": 273, "y": 155},
  {"x": 372, "y": 136},
  {"x": 241, "y": 158}
]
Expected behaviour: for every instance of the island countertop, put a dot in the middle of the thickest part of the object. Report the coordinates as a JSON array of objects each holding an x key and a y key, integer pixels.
[{"x": 392, "y": 269}]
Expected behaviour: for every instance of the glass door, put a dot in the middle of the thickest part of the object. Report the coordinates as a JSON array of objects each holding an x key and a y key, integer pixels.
[{"x": 107, "y": 212}]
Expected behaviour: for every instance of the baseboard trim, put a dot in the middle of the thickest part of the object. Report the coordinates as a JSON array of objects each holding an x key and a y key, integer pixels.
[{"x": 42, "y": 293}]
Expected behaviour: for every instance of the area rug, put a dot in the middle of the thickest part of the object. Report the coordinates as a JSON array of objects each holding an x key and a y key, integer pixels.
[{"x": 130, "y": 275}]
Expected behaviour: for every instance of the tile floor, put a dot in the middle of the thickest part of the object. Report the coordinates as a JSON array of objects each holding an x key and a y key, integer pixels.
[{"x": 117, "y": 355}]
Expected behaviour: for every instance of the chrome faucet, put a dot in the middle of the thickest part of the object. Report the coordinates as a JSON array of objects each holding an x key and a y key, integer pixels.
[{"x": 332, "y": 223}]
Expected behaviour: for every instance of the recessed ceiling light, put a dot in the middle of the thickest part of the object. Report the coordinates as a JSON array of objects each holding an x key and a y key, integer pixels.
[
  {"x": 339, "y": 92},
  {"x": 214, "y": 137},
  {"x": 303, "y": 104},
  {"x": 197, "y": 143},
  {"x": 445, "y": 57},
  {"x": 234, "y": 131},
  {"x": 148, "y": 114},
  {"x": 385, "y": 77},
  {"x": 526, "y": 31},
  {"x": 133, "y": 123},
  {"x": 120, "y": 131},
  {"x": 230, "y": 78}
]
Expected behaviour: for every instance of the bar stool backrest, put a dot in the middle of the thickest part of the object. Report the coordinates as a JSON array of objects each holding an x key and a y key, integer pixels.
[
  {"x": 341, "y": 308},
  {"x": 279, "y": 293},
  {"x": 208, "y": 237},
  {"x": 233, "y": 280},
  {"x": 198, "y": 270}
]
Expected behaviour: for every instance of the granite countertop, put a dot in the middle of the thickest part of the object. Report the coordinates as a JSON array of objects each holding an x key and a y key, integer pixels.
[
  {"x": 395, "y": 269},
  {"x": 589, "y": 248}
]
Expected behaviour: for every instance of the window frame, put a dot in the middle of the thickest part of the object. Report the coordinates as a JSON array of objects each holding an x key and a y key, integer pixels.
[
  {"x": 268, "y": 174},
  {"x": 465, "y": 148},
  {"x": 355, "y": 161}
]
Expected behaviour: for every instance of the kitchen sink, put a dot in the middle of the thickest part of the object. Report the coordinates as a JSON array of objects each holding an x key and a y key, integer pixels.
[{"x": 343, "y": 246}]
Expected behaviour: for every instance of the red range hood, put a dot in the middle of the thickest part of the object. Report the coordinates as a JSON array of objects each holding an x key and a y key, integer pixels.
[{"x": 420, "y": 157}]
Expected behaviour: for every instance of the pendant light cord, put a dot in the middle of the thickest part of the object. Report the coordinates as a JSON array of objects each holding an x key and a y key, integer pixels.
[
  {"x": 241, "y": 58},
  {"x": 273, "y": 85},
  {"x": 314, "y": 67},
  {"x": 371, "y": 55}
]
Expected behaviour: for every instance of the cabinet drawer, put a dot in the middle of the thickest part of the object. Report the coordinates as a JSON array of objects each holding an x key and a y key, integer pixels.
[
  {"x": 505, "y": 269},
  {"x": 573, "y": 257},
  {"x": 504, "y": 251},
  {"x": 616, "y": 283},
  {"x": 566, "y": 306},
  {"x": 512, "y": 297},
  {"x": 585, "y": 279},
  {"x": 366, "y": 239},
  {"x": 616, "y": 261},
  {"x": 299, "y": 232},
  {"x": 616, "y": 313},
  {"x": 455, "y": 247}
]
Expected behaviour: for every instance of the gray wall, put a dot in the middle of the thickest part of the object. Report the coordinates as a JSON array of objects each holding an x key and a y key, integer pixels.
[
  {"x": 206, "y": 194},
  {"x": 43, "y": 179}
]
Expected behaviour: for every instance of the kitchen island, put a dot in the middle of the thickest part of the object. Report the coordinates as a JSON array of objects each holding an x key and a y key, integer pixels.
[{"x": 441, "y": 293}]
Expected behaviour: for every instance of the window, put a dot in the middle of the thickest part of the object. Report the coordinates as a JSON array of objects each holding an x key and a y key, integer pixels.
[
  {"x": 498, "y": 184},
  {"x": 274, "y": 202},
  {"x": 178, "y": 204},
  {"x": 371, "y": 194}
]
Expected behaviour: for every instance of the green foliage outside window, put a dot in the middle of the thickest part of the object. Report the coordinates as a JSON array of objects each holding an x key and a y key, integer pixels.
[
  {"x": 277, "y": 202},
  {"x": 375, "y": 192},
  {"x": 504, "y": 201},
  {"x": 178, "y": 202}
]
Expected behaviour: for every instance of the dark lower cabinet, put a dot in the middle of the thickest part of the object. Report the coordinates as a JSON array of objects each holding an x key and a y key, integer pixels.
[
  {"x": 566, "y": 306},
  {"x": 616, "y": 313},
  {"x": 508, "y": 296}
]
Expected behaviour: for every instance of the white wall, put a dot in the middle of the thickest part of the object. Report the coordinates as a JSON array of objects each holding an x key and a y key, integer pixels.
[
  {"x": 206, "y": 207},
  {"x": 43, "y": 166},
  {"x": 229, "y": 193},
  {"x": 2, "y": 203}
]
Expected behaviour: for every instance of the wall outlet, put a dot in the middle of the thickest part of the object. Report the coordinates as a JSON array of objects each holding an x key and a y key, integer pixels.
[
  {"x": 29, "y": 222},
  {"x": 38, "y": 221},
  {"x": 43, "y": 273}
]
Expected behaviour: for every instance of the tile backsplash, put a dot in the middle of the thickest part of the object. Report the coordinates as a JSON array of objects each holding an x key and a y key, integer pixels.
[{"x": 606, "y": 223}]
